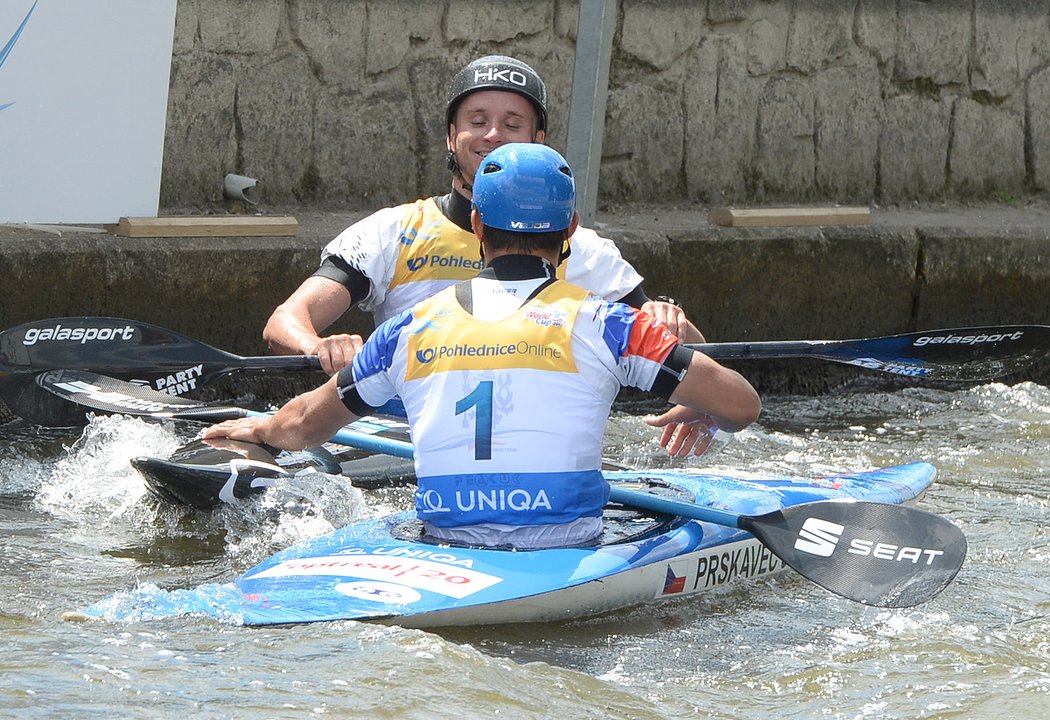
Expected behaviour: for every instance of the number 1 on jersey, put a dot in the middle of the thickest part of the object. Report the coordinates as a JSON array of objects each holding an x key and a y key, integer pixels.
[{"x": 480, "y": 398}]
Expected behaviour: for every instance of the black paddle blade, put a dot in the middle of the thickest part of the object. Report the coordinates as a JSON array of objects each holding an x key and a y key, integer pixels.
[
  {"x": 966, "y": 354},
  {"x": 206, "y": 474},
  {"x": 876, "y": 554},
  {"x": 109, "y": 395},
  {"x": 958, "y": 354},
  {"x": 26, "y": 399},
  {"x": 126, "y": 349}
]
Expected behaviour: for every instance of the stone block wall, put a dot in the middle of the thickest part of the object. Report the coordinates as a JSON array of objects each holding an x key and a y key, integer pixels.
[{"x": 341, "y": 102}]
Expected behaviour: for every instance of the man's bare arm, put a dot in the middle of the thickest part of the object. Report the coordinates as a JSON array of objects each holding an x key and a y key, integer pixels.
[{"x": 296, "y": 325}]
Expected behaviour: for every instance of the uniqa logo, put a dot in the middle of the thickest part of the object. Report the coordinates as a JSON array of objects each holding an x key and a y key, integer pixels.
[
  {"x": 432, "y": 502},
  {"x": 416, "y": 263},
  {"x": 11, "y": 44},
  {"x": 425, "y": 355}
]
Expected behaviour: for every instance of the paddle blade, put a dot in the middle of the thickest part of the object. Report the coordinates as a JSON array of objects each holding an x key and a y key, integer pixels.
[
  {"x": 127, "y": 349},
  {"x": 956, "y": 354},
  {"x": 109, "y": 395},
  {"x": 967, "y": 354},
  {"x": 25, "y": 398},
  {"x": 873, "y": 553}
]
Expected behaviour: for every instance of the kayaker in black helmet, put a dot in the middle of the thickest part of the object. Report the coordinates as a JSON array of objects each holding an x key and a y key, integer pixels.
[
  {"x": 508, "y": 378},
  {"x": 361, "y": 266}
]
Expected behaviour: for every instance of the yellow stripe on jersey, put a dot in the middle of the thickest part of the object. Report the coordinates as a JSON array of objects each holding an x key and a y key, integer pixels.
[
  {"x": 537, "y": 336},
  {"x": 435, "y": 248}
]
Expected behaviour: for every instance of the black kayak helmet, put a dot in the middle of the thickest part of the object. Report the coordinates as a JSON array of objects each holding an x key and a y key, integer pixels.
[{"x": 498, "y": 72}]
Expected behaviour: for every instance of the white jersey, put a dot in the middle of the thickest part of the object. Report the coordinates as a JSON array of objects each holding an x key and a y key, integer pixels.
[
  {"x": 413, "y": 251},
  {"x": 508, "y": 409}
]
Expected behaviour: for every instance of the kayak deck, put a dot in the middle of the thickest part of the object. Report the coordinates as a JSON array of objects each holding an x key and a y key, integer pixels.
[{"x": 372, "y": 571}]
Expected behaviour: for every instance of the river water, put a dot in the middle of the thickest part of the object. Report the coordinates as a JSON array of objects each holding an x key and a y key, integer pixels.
[{"x": 77, "y": 526}]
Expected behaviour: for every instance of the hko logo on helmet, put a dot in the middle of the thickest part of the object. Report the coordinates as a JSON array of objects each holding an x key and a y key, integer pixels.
[{"x": 501, "y": 75}]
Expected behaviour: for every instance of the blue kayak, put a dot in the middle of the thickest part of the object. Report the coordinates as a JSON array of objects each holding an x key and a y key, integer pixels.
[{"x": 385, "y": 570}]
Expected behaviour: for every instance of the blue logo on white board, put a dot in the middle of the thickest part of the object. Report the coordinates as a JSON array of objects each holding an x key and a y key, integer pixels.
[{"x": 6, "y": 50}]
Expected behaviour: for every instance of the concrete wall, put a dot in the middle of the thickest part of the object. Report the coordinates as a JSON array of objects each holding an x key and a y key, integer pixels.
[{"x": 341, "y": 102}]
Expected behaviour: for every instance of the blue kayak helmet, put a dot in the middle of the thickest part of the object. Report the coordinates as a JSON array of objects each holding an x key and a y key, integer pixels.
[{"x": 525, "y": 187}]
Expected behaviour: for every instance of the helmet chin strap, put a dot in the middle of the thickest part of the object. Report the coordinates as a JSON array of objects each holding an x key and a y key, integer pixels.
[
  {"x": 454, "y": 167},
  {"x": 565, "y": 251}
]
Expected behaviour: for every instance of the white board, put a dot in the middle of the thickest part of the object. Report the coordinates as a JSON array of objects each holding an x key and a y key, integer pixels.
[{"x": 83, "y": 100}]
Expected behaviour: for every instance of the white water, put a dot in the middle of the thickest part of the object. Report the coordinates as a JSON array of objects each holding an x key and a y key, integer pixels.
[{"x": 77, "y": 526}]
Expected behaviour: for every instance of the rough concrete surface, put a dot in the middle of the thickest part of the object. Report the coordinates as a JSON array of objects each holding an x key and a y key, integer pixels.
[{"x": 722, "y": 101}]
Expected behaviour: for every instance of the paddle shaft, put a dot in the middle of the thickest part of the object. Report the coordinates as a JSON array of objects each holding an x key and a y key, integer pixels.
[
  {"x": 164, "y": 360},
  {"x": 130, "y": 349},
  {"x": 668, "y": 506},
  {"x": 344, "y": 436},
  {"x": 929, "y": 551}
]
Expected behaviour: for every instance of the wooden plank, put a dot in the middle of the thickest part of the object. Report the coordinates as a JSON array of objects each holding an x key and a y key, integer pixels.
[
  {"x": 205, "y": 226},
  {"x": 773, "y": 217}
]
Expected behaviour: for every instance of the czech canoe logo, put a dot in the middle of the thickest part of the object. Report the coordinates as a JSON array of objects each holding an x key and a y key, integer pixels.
[{"x": 381, "y": 592}]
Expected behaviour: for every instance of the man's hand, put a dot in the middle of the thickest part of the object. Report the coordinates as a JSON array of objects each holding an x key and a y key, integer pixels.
[
  {"x": 337, "y": 351},
  {"x": 684, "y": 431},
  {"x": 244, "y": 429},
  {"x": 674, "y": 318},
  {"x": 296, "y": 325}
]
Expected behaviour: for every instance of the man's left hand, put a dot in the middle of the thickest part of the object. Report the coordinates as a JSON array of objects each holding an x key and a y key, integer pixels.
[
  {"x": 673, "y": 316},
  {"x": 685, "y": 431}
]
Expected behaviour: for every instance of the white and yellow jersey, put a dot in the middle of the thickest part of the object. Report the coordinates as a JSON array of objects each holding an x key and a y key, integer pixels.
[
  {"x": 410, "y": 252},
  {"x": 508, "y": 411}
]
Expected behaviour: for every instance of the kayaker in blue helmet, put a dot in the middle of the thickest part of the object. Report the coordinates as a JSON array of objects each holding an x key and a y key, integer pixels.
[
  {"x": 508, "y": 378},
  {"x": 400, "y": 255}
]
